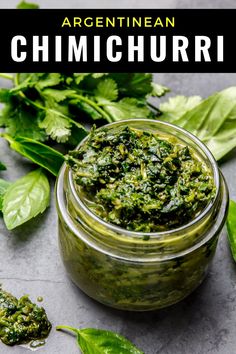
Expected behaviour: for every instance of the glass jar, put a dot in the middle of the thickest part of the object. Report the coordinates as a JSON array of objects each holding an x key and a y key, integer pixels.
[{"x": 133, "y": 270}]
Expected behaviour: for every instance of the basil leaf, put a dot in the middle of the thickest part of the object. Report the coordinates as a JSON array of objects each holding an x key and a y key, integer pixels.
[
  {"x": 39, "y": 153},
  {"x": 213, "y": 121},
  {"x": 127, "y": 108},
  {"x": 99, "y": 341},
  {"x": 206, "y": 118},
  {"x": 224, "y": 141},
  {"x": 231, "y": 227},
  {"x": 177, "y": 106},
  {"x": 26, "y": 198},
  {"x": 94, "y": 341},
  {"x": 2, "y": 166},
  {"x": 4, "y": 185}
]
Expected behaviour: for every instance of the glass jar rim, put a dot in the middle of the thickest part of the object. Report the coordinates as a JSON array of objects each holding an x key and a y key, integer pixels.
[{"x": 161, "y": 234}]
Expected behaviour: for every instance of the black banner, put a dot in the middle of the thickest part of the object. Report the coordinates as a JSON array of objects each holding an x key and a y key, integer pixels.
[{"x": 118, "y": 40}]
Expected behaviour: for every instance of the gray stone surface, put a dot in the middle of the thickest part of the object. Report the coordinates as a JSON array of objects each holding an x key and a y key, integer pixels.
[{"x": 30, "y": 263}]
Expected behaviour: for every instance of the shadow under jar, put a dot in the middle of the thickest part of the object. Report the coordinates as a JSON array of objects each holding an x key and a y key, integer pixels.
[{"x": 139, "y": 271}]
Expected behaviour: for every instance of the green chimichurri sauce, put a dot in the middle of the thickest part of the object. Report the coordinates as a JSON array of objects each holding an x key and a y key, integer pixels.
[
  {"x": 141, "y": 181},
  {"x": 21, "y": 321}
]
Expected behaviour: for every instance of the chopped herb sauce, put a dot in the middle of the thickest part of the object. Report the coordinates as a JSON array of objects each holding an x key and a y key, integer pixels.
[
  {"x": 139, "y": 180},
  {"x": 21, "y": 321}
]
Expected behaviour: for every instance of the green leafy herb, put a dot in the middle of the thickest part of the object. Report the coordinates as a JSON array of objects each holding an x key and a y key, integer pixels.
[
  {"x": 27, "y": 5},
  {"x": 213, "y": 121},
  {"x": 21, "y": 120},
  {"x": 106, "y": 91},
  {"x": 41, "y": 154},
  {"x": 127, "y": 108},
  {"x": 138, "y": 85},
  {"x": 4, "y": 185},
  {"x": 177, "y": 106},
  {"x": 26, "y": 198},
  {"x": 159, "y": 90},
  {"x": 231, "y": 227},
  {"x": 54, "y": 105},
  {"x": 99, "y": 341}
]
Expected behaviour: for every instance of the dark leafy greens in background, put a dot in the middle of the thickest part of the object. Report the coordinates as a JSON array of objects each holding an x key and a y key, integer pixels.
[
  {"x": 99, "y": 341},
  {"x": 57, "y": 107}
]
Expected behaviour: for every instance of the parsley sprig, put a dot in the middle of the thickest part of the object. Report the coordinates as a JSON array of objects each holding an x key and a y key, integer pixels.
[{"x": 58, "y": 107}]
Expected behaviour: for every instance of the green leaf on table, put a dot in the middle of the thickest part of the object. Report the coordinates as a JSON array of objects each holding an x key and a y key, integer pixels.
[
  {"x": 48, "y": 80},
  {"x": 57, "y": 122},
  {"x": 177, "y": 106},
  {"x": 26, "y": 198},
  {"x": 206, "y": 119},
  {"x": 96, "y": 341},
  {"x": 133, "y": 84},
  {"x": 4, "y": 95},
  {"x": 79, "y": 77},
  {"x": 213, "y": 121},
  {"x": 85, "y": 107},
  {"x": 38, "y": 81},
  {"x": 127, "y": 108},
  {"x": 27, "y": 5},
  {"x": 20, "y": 119},
  {"x": 2, "y": 166},
  {"x": 106, "y": 90},
  {"x": 99, "y": 341},
  {"x": 39, "y": 153},
  {"x": 24, "y": 81},
  {"x": 56, "y": 126},
  {"x": 4, "y": 185},
  {"x": 57, "y": 95},
  {"x": 231, "y": 227},
  {"x": 224, "y": 140}
]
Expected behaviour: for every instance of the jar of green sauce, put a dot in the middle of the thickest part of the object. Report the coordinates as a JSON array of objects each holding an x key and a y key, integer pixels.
[{"x": 140, "y": 269}]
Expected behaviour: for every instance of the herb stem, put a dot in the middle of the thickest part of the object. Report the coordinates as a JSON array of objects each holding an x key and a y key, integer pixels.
[
  {"x": 7, "y": 76},
  {"x": 154, "y": 107},
  {"x": 69, "y": 328},
  {"x": 95, "y": 106},
  {"x": 32, "y": 103},
  {"x": 7, "y": 138},
  {"x": 16, "y": 82}
]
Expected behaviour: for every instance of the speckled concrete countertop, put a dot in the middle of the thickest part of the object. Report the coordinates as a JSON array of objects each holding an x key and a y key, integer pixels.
[{"x": 29, "y": 257}]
